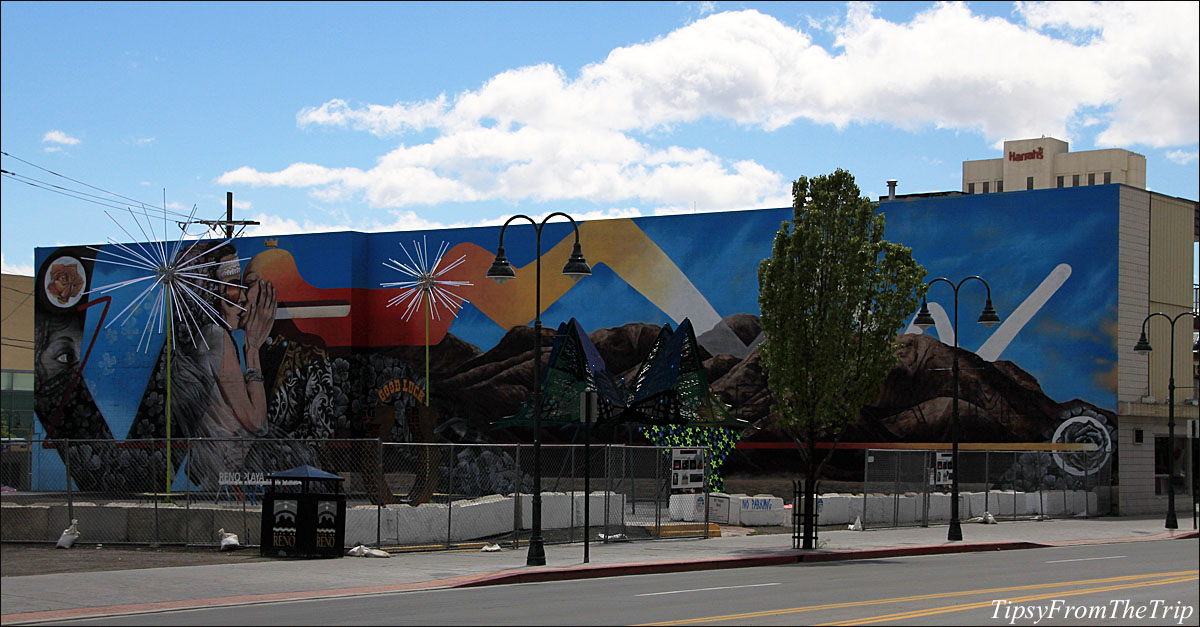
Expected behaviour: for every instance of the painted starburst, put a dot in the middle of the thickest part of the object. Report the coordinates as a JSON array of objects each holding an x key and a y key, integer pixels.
[
  {"x": 425, "y": 284},
  {"x": 174, "y": 279},
  {"x": 173, "y": 276}
]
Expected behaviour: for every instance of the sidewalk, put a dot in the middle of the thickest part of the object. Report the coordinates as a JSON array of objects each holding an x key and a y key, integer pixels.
[{"x": 89, "y": 594}]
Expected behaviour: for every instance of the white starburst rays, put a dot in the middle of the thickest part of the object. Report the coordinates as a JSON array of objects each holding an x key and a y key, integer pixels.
[
  {"x": 175, "y": 278},
  {"x": 425, "y": 284}
]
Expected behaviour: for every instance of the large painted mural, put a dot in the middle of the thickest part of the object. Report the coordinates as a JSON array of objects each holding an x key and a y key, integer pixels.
[{"x": 311, "y": 336}]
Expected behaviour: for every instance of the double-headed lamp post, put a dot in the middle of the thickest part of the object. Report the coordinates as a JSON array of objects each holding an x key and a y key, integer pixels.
[
  {"x": 924, "y": 320},
  {"x": 1143, "y": 346},
  {"x": 501, "y": 271}
]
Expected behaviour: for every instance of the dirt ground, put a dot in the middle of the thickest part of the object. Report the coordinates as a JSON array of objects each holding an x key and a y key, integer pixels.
[{"x": 18, "y": 559}]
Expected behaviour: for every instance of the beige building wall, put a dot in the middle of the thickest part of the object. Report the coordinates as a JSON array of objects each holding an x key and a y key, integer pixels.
[
  {"x": 1154, "y": 275},
  {"x": 16, "y": 322},
  {"x": 1045, "y": 159}
]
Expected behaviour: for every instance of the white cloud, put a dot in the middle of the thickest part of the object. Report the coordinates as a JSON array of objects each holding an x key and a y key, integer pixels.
[
  {"x": 1183, "y": 157},
  {"x": 536, "y": 134},
  {"x": 23, "y": 269},
  {"x": 59, "y": 137}
]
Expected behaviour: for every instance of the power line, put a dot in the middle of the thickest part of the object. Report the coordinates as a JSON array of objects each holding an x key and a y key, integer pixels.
[
  {"x": 133, "y": 200},
  {"x": 84, "y": 196}
]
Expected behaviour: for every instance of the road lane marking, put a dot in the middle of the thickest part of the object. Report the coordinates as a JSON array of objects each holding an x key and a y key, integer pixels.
[
  {"x": 1034, "y": 597},
  {"x": 753, "y": 585},
  {"x": 923, "y": 597},
  {"x": 1085, "y": 559}
]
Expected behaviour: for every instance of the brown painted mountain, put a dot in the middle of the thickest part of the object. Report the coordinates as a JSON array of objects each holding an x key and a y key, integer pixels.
[{"x": 999, "y": 402}]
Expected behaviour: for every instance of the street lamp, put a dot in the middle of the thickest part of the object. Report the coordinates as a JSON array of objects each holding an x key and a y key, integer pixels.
[
  {"x": 501, "y": 271},
  {"x": 987, "y": 318},
  {"x": 1143, "y": 346}
]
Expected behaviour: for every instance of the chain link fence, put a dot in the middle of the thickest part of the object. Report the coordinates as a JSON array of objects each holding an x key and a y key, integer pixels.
[
  {"x": 398, "y": 496},
  {"x": 905, "y": 488}
]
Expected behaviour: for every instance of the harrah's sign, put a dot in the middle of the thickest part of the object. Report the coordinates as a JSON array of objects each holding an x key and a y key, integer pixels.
[{"x": 1022, "y": 156}]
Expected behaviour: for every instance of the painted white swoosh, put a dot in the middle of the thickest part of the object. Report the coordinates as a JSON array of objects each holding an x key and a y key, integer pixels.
[
  {"x": 1012, "y": 324},
  {"x": 941, "y": 322}
]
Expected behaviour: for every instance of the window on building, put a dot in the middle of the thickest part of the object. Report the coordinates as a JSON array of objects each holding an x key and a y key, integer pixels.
[
  {"x": 1029, "y": 182},
  {"x": 1107, "y": 178},
  {"x": 986, "y": 187},
  {"x": 999, "y": 186},
  {"x": 1161, "y": 448},
  {"x": 970, "y": 188},
  {"x": 1074, "y": 180},
  {"x": 1091, "y": 178},
  {"x": 1060, "y": 181}
]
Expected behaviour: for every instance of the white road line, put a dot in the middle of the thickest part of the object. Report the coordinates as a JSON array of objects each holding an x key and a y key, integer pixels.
[
  {"x": 1085, "y": 559},
  {"x": 755, "y": 585}
]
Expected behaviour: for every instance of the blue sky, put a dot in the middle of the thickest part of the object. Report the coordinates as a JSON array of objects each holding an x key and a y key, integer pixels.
[{"x": 394, "y": 116}]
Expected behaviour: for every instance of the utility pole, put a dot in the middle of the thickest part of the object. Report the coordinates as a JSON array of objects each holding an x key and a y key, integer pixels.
[{"x": 228, "y": 222}]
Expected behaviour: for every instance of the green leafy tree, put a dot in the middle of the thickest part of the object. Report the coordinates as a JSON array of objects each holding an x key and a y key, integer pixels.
[{"x": 833, "y": 295}]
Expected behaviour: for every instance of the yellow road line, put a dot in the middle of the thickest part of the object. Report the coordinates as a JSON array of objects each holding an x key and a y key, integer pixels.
[
  {"x": 923, "y": 597},
  {"x": 1035, "y": 597}
]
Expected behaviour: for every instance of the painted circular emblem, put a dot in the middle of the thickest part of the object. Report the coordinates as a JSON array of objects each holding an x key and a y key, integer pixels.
[
  {"x": 65, "y": 281},
  {"x": 1082, "y": 429}
]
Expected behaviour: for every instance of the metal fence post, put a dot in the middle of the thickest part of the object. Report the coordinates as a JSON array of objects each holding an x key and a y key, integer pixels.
[
  {"x": 571, "y": 532},
  {"x": 895, "y": 493},
  {"x": 866, "y": 482},
  {"x": 607, "y": 486},
  {"x": 658, "y": 490},
  {"x": 70, "y": 497},
  {"x": 1014, "y": 467},
  {"x": 707, "y": 493},
  {"x": 450, "y": 502},
  {"x": 987, "y": 486},
  {"x": 379, "y": 489},
  {"x": 187, "y": 499},
  {"x": 517, "y": 499}
]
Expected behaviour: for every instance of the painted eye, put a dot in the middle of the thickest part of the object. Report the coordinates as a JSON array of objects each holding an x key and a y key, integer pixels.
[{"x": 63, "y": 358}]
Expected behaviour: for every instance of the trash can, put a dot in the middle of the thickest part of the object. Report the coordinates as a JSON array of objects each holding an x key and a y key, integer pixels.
[{"x": 303, "y": 514}]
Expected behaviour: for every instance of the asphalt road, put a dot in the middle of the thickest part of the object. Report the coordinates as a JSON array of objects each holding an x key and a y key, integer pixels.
[{"x": 1043, "y": 587}]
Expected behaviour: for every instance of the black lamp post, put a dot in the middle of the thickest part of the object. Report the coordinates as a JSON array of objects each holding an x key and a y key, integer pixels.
[
  {"x": 924, "y": 320},
  {"x": 1143, "y": 346},
  {"x": 501, "y": 271}
]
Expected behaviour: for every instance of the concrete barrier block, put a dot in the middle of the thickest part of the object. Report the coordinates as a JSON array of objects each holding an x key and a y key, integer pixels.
[
  {"x": 247, "y": 525},
  {"x": 479, "y": 518},
  {"x": 362, "y": 525},
  {"x": 973, "y": 504},
  {"x": 835, "y": 510},
  {"x": 879, "y": 509},
  {"x": 26, "y": 523},
  {"x": 424, "y": 524},
  {"x": 102, "y": 524},
  {"x": 616, "y": 509},
  {"x": 146, "y": 524},
  {"x": 762, "y": 510},
  {"x": 854, "y": 508},
  {"x": 909, "y": 508},
  {"x": 939, "y": 506}
]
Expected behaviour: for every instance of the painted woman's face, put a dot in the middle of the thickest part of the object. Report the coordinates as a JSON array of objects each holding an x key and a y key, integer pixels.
[{"x": 229, "y": 272}]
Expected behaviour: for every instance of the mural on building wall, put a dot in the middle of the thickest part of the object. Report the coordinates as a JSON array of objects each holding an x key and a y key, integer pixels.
[{"x": 303, "y": 344}]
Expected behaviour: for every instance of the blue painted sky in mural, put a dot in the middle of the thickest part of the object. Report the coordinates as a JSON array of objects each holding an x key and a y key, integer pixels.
[{"x": 1009, "y": 239}]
